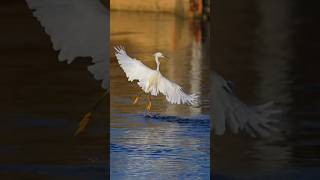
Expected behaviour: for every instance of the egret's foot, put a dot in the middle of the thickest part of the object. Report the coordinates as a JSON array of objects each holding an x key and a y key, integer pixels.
[
  {"x": 146, "y": 113},
  {"x": 83, "y": 123},
  {"x": 149, "y": 106},
  {"x": 136, "y": 100},
  {"x": 151, "y": 115}
]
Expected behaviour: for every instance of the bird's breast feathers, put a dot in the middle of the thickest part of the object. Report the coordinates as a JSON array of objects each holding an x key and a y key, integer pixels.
[
  {"x": 153, "y": 80},
  {"x": 152, "y": 83}
]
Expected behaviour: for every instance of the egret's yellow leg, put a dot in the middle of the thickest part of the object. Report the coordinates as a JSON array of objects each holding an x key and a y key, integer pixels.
[
  {"x": 149, "y": 105},
  {"x": 137, "y": 97},
  {"x": 88, "y": 116}
]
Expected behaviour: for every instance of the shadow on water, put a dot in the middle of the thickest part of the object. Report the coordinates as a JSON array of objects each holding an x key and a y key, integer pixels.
[
  {"x": 274, "y": 47},
  {"x": 174, "y": 142}
]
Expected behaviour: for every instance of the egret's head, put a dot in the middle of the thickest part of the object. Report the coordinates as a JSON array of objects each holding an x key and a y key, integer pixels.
[{"x": 159, "y": 55}]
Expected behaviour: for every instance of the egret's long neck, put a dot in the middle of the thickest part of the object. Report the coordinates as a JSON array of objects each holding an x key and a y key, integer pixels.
[{"x": 158, "y": 63}]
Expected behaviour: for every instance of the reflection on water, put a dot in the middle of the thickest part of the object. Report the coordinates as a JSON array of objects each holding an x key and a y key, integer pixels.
[
  {"x": 172, "y": 145},
  {"x": 274, "y": 66}
]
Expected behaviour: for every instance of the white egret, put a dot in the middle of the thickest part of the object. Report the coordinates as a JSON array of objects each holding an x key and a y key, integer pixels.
[{"x": 151, "y": 81}]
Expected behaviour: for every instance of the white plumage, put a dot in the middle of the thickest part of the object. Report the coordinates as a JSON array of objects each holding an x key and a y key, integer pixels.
[
  {"x": 229, "y": 111},
  {"x": 78, "y": 28},
  {"x": 151, "y": 81}
]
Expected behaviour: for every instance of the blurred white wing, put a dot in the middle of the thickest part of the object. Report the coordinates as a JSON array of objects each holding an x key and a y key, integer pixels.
[
  {"x": 229, "y": 111},
  {"x": 174, "y": 93},
  {"x": 134, "y": 69},
  {"x": 100, "y": 72},
  {"x": 78, "y": 28}
]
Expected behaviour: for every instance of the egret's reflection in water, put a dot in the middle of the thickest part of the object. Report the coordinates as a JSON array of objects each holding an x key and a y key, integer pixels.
[{"x": 175, "y": 144}]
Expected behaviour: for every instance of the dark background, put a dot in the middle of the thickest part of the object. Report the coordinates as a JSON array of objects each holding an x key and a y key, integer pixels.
[
  {"x": 277, "y": 42},
  {"x": 41, "y": 102}
]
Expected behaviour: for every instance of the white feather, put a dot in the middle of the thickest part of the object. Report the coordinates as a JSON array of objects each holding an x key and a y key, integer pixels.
[
  {"x": 174, "y": 93},
  {"x": 78, "y": 28},
  {"x": 136, "y": 70},
  {"x": 229, "y": 111}
]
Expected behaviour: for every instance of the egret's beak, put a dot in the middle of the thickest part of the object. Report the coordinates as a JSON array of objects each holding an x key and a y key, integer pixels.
[{"x": 165, "y": 57}]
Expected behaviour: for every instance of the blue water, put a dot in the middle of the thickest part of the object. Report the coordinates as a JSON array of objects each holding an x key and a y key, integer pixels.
[{"x": 160, "y": 147}]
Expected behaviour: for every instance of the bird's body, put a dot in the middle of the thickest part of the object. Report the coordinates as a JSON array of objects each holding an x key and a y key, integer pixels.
[{"x": 152, "y": 81}]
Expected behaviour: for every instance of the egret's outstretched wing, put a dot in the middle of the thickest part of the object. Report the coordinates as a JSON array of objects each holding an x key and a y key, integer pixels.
[
  {"x": 78, "y": 28},
  {"x": 229, "y": 111},
  {"x": 134, "y": 69},
  {"x": 174, "y": 93}
]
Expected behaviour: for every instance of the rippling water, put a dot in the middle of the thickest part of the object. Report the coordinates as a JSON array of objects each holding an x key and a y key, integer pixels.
[{"x": 176, "y": 143}]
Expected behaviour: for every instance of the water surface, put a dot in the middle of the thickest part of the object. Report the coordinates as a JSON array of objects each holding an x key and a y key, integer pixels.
[{"x": 175, "y": 144}]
